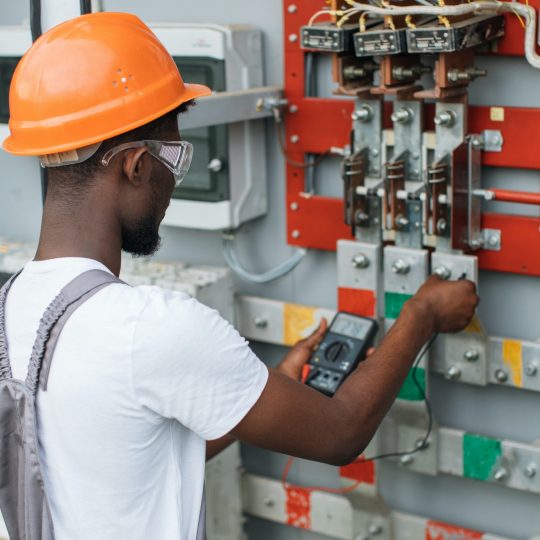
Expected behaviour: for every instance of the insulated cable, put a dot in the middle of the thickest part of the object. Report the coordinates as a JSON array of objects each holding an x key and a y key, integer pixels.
[{"x": 270, "y": 275}]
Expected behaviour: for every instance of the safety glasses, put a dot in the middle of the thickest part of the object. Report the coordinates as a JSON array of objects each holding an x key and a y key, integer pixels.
[{"x": 175, "y": 155}]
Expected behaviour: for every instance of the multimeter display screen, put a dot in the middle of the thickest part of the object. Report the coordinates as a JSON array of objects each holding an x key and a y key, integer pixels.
[{"x": 350, "y": 326}]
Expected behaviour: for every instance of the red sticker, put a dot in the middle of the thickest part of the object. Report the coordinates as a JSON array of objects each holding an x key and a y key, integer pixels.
[
  {"x": 443, "y": 531},
  {"x": 298, "y": 507},
  {"x": 359, "y": 301},
  {"x": 360, "y": 471}
]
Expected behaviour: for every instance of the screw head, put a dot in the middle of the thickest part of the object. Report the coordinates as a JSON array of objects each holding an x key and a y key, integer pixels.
[
  {"x": 401, "y": 267},
  {"x": 292, "y": 8},
  {"x": 453, "y": 373},
  {"x": 406, "y": 460},
  {"x": 500, "y": 474},
  {"x": 294, "y": 206},
  {"x": 374, "y": 152},
  {"x": 293, "y": 38},
  {"x": 471, "y": 355},
  {"x": 530, "y": 470},
  {"x": 295, "y": 234},
  {"x": 375, "y": 529},
  {"x": 442, "y": 226},
  {"x": 531, "y": 369},
  {"x": 421, "y": 444},
  {"x": 501, "y": 375},
  {"x": 360, "y": 261},
  {"x": 260, "y": 322},
  {"x": 293, "y": 108},
  {"x": 442, "y": 272},
  {"x": 215, "y": 165},
  {"x": 493, "y": 240},
  {"x": 295, "y": 139},
  {"x": 401, "y": 222}
]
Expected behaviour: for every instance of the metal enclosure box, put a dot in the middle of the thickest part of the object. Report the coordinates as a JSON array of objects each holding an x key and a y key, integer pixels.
[{"x": 226, "y": 185}]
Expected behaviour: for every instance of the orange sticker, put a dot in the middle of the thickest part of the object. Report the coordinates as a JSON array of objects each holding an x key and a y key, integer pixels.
[
  {"x": 512, "y": 357},
  {"x": 298, "y": 507},
  {"x": 360, "y": 471},
  {"x": 443, "y": 531}
]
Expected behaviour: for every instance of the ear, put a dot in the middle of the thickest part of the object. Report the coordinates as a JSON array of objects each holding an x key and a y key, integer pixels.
[{"x": 136, "y": 168}]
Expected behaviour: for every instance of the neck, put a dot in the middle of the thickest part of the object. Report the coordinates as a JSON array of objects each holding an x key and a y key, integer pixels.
[{"x": 86, "y": 229}]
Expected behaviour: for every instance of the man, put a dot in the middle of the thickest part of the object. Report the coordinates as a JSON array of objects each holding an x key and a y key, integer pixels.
[{"x": 143, "y": 377}]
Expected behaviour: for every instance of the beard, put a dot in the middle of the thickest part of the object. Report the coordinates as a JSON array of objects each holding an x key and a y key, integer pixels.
[{"x": 143, "y": 239}]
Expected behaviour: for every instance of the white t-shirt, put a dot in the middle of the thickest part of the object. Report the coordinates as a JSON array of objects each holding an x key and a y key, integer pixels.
[{"x": 140, "y": 378}]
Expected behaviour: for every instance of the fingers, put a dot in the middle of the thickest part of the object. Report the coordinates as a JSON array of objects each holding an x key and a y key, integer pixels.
[{"x": 316, "y": 337}]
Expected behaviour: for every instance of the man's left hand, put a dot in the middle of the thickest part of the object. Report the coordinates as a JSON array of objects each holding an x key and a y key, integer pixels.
[{"x": 298, "y": 356}]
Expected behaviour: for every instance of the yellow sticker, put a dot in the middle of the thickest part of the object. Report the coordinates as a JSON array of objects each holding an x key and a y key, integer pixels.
[
  {"x": 475, "y": 326},
  {"x": 297, "y": 322},
  {"x": 511, "y": 355},
  {"x": 496, "y": 114}
]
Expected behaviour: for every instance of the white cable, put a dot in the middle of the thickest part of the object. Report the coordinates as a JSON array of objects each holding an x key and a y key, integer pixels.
[
  {"x": 495, "y": 6},
  {"x": 279, "y": 271}
]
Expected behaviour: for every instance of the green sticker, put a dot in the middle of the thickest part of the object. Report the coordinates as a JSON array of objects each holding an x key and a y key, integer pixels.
[
  {"x": 410, "y": 390},
  {"x": 480, "y": 456},
  {"x": 393, "y": 304}
]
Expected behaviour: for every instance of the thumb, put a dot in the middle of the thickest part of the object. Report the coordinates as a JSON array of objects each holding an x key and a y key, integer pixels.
[{"x": 316, "y": 337}]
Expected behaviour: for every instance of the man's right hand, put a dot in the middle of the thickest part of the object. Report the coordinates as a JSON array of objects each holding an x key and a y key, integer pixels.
[{"x": 451, "y": 304}]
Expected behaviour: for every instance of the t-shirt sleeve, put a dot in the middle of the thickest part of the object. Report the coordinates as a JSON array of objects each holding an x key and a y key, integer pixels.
[{"x": 188, "y": 363}]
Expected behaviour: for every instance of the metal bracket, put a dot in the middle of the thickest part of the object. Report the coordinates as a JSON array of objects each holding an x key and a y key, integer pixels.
[
  {"x": 492, "y": 140},
  {"x": 367, "y": 123},
  {"x": 235, "y": 106},
  {"x": 492, "y": 239}
]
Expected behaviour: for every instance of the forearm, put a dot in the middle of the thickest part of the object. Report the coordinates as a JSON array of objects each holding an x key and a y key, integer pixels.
[
  {"x": 213, "y": 448},
  {"x": 369, "y": 392}
]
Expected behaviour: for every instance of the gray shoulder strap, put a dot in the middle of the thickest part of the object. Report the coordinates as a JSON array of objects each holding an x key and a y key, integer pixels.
[
  {"x": 73, "y": 295},
  {"x": 5, "y": 366}
]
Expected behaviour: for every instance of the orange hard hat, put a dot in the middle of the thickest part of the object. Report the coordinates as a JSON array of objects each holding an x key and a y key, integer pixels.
[{"x": 89, "y": 79}]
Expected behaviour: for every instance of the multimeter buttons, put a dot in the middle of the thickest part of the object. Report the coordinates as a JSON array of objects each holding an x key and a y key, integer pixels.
[
  {"x": 343, "y": 347},
  {"x": 337, "y": 351}
]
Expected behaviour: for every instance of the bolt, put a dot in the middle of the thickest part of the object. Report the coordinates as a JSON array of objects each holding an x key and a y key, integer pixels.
[
  {"x": 416, "y": 172},
  {"x": 501, "y": 375},
  {"x": 401, "y": 222},
  {"x": 477, "y": 143},
  {"x": 361, "y": 218},
  {"x": 531, "y": 369},
  {"x": 493, "y": 240},
  {"x": 442, "y": 226},
  {"x": 293, "y": 38},
  {"x": 495, "y": 139},
  {"x": 294, "y": 206},
  {"x": 295, "y": 234},
  {"x": 375, "y": 529},
  {"x": 360, "y": 261},
  {"x": 442, "y": 272},
  {"x": 215, "y": 165},
  {"x": 293, "y": 108},
  {"x": 421, "y": 444},
  {"x": 416, "y": 156},
  {"x": 363, "y": 114},
  {"x": 471, "y": 355},
  {"x": 260, "y": 322},
  {"x": 500, "y": 474},
  {"x": 268, "y": 501},
  {"x": 292, "y": 8},
  {"x": 374, "y": 152},
  {"x": 295, "y": 139},
  {"x": 445, "y": 118},
  {"x": 407, "y": 459},
  {"x": 476, "y": 243},
  {"x": 453, "y": 373},
  {"x": 401, "y": 267},
  {"x": 403, "y": 116},
  {"x": 530, "y": 470}
]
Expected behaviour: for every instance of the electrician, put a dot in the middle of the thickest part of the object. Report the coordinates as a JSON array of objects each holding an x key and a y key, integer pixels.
[{"x": 145, "y": 381}]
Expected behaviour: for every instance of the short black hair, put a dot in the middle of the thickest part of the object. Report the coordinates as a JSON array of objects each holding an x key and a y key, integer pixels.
[{"x": 81, "y": 174}]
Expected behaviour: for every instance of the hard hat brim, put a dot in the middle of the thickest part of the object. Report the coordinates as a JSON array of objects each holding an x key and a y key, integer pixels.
[{"x": 191, "y": 92}]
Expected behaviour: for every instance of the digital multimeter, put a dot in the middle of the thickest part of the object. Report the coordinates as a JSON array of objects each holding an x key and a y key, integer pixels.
[{"x": 343, "y": 347}]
